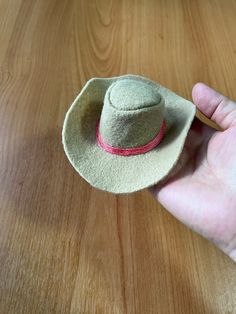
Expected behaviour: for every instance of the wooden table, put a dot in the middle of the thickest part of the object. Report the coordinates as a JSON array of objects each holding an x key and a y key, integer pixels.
[{"x": 64, "y": 246}]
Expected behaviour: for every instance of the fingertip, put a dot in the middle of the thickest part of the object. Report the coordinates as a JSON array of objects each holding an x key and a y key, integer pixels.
[
  {"x": 205, "y": 98},
  {"x": 198, "y": 92}
]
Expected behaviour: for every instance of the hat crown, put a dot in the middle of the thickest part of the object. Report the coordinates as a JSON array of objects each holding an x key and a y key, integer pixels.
[
  {"x": 132, "y": 114},
  {"x": 132, "y": 95}
]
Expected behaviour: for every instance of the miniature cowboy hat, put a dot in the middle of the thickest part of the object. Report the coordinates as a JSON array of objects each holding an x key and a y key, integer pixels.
[{"x": 126, "y": 133}]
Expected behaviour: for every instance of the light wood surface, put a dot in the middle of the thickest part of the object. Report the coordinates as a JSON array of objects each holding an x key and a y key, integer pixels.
[{"x": 64, "y": 246}]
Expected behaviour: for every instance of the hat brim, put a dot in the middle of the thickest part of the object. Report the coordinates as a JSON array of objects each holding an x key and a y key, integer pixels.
[{"x": 114, "y": 173}]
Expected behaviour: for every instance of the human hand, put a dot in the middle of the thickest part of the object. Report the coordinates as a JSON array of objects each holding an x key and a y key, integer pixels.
[{"x": 202, "y": 193}]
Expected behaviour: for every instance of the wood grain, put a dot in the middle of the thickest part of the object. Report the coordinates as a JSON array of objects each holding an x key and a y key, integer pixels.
[{"x": 68, "y": 248}]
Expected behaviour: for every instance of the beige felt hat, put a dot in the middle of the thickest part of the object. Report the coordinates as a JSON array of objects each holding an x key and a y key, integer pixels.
[{"x": 126, "y": 133}]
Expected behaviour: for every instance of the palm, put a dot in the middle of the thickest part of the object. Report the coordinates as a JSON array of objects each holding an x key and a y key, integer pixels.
[{"x": 202, "y": 191}]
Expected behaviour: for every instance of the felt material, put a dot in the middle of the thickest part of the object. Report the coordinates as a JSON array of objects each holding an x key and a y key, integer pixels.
[
  {"x": 121, "y": 174},
  {"x": 134, "y": 150},
  {"x": 132, "y": 114},
  {"x": 131, "y": 94}
]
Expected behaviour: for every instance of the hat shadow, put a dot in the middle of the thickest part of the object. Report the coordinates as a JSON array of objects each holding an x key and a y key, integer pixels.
[
  {"x": 42, "y": 186},
  {"x": 44, "y": 181}
]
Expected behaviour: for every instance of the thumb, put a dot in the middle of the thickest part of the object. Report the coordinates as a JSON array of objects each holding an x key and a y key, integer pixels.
[{"x": 215, "y": 106}]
